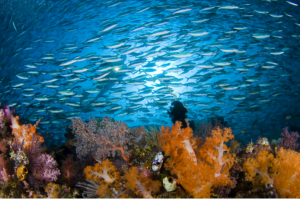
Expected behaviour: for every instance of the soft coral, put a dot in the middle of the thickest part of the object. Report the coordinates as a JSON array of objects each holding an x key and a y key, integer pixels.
[
  {"x": 103, "y": 174},
  {"x": 140, "y": 184},
  {"x": 24, "y": 133},
  {"x": 283, "y": 171},
  {"x": 197, "y": 168}
]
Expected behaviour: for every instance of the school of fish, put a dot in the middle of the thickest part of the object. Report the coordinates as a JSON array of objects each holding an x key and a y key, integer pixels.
[{"x": 131, "y": 59}]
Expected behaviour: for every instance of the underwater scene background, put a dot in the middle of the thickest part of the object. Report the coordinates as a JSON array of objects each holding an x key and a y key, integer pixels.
[{"x": 104, "y": 79}]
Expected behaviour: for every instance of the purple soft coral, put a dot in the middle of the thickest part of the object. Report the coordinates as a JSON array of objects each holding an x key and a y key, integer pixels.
[
  {"x": 44, "y": 168},
  {"x": 288, "y": 140},
  {"x": 8, "y": 112}
]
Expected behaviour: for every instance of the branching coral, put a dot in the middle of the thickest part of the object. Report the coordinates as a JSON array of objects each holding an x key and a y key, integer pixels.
[
  {"x": 139, "y": 184},
  {"x": 111, "y": 136},
  {"x": 151, "y": 136}
]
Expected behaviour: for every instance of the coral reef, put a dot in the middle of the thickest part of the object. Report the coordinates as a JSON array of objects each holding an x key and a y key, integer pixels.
[{"x": 115, "y": 161}]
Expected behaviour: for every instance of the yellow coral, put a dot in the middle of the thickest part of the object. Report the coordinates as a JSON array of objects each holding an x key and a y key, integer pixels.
[{"x": 22, "y": 172}]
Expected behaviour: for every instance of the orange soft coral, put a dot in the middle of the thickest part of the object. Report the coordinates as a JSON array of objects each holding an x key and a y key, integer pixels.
[
  {"x": 259, "y": 166},
  {"x": 216, "y": 153},
  {"x": 139, "y": 184},
  {"x": 283, "y": 171},
  {"x": 286, "y": 168},
  {"x": 104, "y": 174},
  {"x": 197, "y": 168},
  {"x": 104, "y": 171},
  {"x": 24, "y": 133},
  {"x": 178, "y": 142}
]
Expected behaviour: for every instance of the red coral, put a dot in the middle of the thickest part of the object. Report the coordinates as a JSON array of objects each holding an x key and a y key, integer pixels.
[{"x": 69, "y": 169}]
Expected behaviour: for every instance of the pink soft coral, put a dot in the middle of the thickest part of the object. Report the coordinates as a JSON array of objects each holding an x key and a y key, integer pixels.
[{"x": 44, "y": 168}]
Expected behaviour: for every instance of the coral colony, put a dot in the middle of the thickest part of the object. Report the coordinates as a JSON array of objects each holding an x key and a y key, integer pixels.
[{"x": 106, "y": 158}]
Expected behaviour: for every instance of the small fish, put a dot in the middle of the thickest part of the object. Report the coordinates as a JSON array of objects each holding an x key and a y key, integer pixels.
[
  {"x": 243, "y": 131},
  {"x": 288, "y": 116},
  {"x": 14, "y": 26}
]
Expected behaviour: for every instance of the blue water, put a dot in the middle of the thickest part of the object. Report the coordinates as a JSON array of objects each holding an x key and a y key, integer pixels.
[{"x": 61, "y": 29}]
